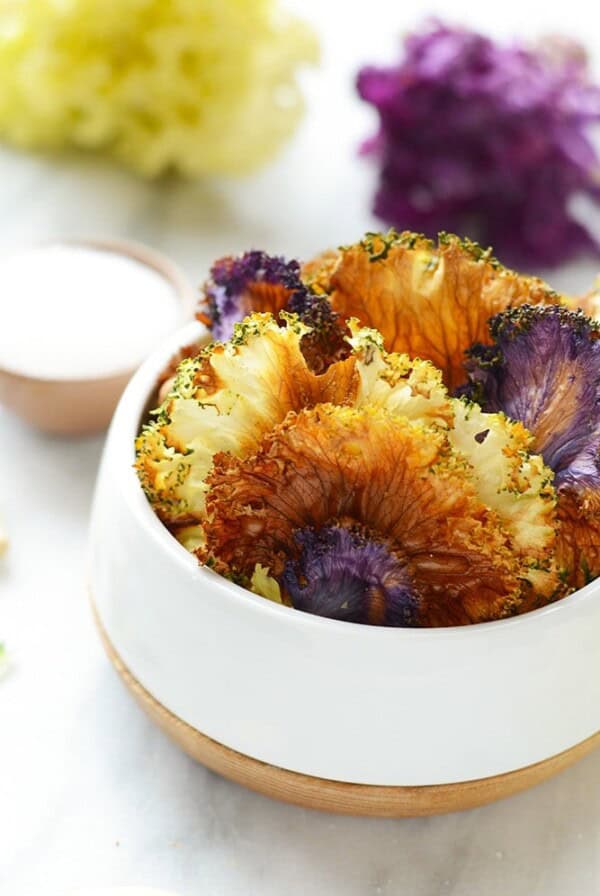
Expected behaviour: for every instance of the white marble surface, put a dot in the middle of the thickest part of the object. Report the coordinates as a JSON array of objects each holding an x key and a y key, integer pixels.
[{"x": 90, "y": 792}]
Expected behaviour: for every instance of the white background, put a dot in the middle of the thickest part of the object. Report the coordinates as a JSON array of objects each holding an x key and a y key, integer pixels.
[{"x": 90, "y": 792}]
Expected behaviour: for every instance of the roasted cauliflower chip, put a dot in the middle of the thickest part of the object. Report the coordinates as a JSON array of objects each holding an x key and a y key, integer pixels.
[
  {"x": 578, "y": 545},
  {"x": 243, "y": 284},
  {"x": 430, "y": 301},
  {"x": 364, "y": 515},
  {"x": 543, "y": 369},
  {"x": 257, "y": 282}
]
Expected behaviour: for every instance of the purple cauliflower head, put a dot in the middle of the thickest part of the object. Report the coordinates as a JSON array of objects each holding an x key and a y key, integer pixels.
[{"x": 486, "y": 139}]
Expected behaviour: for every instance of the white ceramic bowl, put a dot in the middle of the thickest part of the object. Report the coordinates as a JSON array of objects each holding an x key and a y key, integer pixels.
[{"x": 389, "y": 707}]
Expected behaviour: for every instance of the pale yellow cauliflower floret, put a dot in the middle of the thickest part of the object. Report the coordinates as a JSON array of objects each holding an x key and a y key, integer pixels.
[{"x": 199, "y": 86}]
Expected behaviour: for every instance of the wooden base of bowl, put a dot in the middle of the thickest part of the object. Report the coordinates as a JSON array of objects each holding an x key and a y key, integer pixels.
[{"x": 336, "y": 796}]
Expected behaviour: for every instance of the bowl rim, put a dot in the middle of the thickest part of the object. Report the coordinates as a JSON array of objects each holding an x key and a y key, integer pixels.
[
  {"x": 157, "y": 261},
  {"x": 126, "y": 426}
]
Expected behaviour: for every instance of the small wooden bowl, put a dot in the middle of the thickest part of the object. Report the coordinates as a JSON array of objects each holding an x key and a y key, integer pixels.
[
  {"x": 81, "y": 406},
  {"x": 333, "y": 715}
]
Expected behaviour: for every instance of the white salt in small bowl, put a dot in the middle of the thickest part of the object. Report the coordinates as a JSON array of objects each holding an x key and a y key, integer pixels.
[{"x": 76, "y": 319}]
